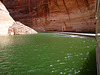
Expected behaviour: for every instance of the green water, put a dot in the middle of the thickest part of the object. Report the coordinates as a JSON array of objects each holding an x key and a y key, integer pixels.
[{"x": 47, "y": 54}]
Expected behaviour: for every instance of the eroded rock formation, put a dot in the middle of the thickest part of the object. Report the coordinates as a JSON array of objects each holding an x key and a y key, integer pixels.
[
  {"x": 18, "y": 29},
  {"x": 5, "y": 20},
  {"x": 9, "y": 26},
  {"x": 54, "y": 15}
]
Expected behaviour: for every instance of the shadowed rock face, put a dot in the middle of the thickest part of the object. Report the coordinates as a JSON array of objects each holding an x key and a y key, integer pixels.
[
  {"x": 54, "y": 15},
  {"x": 1, "y": 0}
]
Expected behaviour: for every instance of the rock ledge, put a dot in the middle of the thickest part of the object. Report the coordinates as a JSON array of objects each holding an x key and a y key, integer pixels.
[{"x": 18, "y": 29}]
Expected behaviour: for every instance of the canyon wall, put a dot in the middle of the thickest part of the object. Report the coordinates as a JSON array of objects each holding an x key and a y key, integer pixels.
[
  {"x": 54, "y": 15},
  {"x": 5, "y": 20}
]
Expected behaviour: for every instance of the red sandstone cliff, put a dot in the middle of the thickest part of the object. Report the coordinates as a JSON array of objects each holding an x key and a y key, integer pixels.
[{"x": 54, "y": 15}]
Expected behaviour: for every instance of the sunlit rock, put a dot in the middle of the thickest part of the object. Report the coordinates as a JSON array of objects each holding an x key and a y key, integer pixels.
[
  {"x": 5, "y": 20},
  {"x": 12, "y": 33},
  {"x": 18, "y": 28}
]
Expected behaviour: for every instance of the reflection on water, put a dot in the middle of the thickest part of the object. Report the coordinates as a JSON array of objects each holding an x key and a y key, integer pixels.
[
  {"x": 5, "y": 41},
  {"x": 46, "y": 54}
]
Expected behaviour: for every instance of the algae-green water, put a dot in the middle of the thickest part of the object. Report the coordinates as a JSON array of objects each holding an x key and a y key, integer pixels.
[{"x": 47, "y": 54}]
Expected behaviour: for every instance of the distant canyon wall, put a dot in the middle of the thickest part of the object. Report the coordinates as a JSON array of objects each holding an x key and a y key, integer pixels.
[{"x": 54, "y": 15}]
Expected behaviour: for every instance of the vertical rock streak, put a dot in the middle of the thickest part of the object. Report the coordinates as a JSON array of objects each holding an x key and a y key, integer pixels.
[
  {"x": 81, "y": 12},
  {"x": 29, "y": 6},
  {"x": 55, "y": 2},
  {"x": 66, "y": 9}
]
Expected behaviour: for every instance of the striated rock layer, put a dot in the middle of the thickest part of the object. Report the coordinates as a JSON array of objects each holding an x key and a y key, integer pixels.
[{"x": 54, "y": 15}]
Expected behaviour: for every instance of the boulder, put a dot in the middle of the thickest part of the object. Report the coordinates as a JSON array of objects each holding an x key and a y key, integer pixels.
[{"x": 18, "y": 29}]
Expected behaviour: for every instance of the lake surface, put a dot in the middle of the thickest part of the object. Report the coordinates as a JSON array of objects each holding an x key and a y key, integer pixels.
[{"x": 47, "y": 54}]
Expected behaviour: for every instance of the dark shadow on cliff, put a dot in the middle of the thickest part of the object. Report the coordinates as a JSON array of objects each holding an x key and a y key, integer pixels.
[{"x": 89, "y": 67}]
